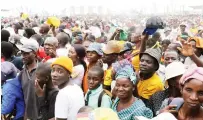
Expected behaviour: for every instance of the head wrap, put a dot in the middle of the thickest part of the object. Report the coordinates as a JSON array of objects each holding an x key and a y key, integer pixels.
[
  {"x": 124, "y": 69},
  {"x": 195, "y": 73}
]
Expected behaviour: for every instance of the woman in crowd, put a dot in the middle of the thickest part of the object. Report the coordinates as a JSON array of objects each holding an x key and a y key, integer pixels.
[
  {"x": 126, "y": 105},
  {"x": 174, "y": 72},
  {"x": 191, "y": 85},
  {"x": 77, "y": 54}
]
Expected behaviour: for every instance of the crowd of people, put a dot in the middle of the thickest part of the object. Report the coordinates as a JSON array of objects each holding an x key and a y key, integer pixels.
[{"x": 102, "y": 69}]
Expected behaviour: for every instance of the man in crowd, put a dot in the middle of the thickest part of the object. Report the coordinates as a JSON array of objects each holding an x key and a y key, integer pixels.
[{"x": 29, "y": 56}]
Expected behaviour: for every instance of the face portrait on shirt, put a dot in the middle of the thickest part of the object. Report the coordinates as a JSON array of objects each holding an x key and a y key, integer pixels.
[
  {"x": 92, "y": 56},
  {"x": 28, "y": 57},
  {"x": 192, "y": 93},
  {"x": 147, "y": 64},
  {"x": 59, "y": 75},
  {"x": 124, "y": 88},
  {"x": 94, "y": 78}
]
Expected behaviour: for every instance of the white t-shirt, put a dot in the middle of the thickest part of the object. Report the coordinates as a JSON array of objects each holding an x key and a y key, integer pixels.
[
  {"x": 78, "y": 74},
  {"x": 68, "y": 102},
  {"x": 190, "y": 63},
  {"x": 62, "y": 52}
]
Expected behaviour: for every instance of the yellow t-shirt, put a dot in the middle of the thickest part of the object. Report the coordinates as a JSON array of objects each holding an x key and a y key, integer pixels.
[
  {"x": 194, "y": 30},
  {"x": 76, "y": 29},
  {"x": 107, "y": 78},
  {"x": 136, "y": 60},
  {"x": 146, "y": 88}
]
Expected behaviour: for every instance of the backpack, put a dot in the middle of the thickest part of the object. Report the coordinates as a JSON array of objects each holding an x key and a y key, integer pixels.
[{"x": 101, "y": 95}]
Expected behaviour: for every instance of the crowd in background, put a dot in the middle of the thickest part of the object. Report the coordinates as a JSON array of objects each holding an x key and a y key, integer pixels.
[{"x": 94, "y": 68}]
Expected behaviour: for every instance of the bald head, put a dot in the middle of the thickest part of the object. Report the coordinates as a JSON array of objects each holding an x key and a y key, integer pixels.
[
  {"x": 44, "y": 29},
  {"x": 63, "y": 39}
]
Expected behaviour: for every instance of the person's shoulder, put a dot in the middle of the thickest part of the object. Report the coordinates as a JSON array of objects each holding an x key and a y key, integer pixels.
[
  {"x": 139, "y": 101},
  {"x": 140, "y": 105},
  {"x": 106, "y": 97},
  {"x": 158, "y": 94},
  {"x": 156, "y": 78},
  {"x": 79, "y": 67},
  {"x": 12, "y": 84},
  {"x": 53, "y": 91},
  {"x": 70, "y": 88}
]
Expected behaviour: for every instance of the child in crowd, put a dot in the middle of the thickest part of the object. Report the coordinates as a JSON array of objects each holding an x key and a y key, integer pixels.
[
  {"x": 96, "y": 96},
  {"x": 94, "y": 54}
]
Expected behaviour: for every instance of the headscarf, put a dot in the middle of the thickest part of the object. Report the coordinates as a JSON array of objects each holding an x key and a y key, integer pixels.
[
  {"x": 124, "y": 69},
  {"x": 195, "y": 73}
]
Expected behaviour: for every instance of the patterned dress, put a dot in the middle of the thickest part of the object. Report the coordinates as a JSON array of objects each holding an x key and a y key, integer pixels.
[
  {"x": 156, "y": 100},
  {"x": 138, "y": 108}
]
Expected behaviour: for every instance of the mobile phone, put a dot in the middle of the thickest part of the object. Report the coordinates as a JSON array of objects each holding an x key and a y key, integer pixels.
[{"x": 178, "y": 102}]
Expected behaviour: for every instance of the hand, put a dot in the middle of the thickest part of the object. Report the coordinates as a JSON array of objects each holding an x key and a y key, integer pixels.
[
  {"x": 53, "y": 28},
  {"x": 169, "y": 109},
  {"x": 187, "y": 49},
  {"x": 39, "y": 91},
  {"x": 144, "y": 37}
]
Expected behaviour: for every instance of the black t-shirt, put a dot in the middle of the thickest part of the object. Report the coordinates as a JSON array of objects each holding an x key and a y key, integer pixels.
[{"x": 47, "y": 105}]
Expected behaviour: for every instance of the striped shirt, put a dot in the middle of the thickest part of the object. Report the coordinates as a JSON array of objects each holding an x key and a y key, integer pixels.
[{"x": 138, "y": 108}]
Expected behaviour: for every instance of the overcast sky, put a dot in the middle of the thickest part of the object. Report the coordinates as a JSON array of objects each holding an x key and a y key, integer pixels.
[{"x": 54, "y": 6}]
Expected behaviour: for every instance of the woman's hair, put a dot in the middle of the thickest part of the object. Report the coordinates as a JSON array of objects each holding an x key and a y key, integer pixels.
[{"x": 81, "y": 53}]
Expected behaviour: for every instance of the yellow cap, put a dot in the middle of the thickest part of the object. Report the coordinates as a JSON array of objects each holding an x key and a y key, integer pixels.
[{"x": 65, "y": 62}]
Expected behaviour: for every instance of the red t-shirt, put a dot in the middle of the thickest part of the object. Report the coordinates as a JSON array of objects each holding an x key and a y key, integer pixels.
[{"x": 42, "y": 55}]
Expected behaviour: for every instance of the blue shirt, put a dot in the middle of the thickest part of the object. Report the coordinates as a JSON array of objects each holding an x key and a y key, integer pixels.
[
  {"x": 12, "y": 95},
  {"x": 94, "y": 97}
]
